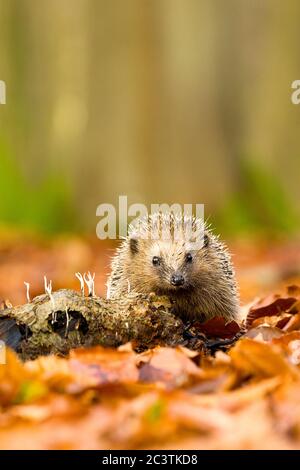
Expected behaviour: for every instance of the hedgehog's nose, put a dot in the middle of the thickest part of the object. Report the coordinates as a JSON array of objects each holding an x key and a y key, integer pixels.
[{"x": 177, "y": 279}]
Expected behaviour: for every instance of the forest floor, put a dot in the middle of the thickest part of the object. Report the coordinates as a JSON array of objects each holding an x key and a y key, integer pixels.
[{"x": 246, "y": 397}]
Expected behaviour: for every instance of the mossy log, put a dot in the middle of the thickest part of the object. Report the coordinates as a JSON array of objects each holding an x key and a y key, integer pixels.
[{"x": 68, "y": 320}]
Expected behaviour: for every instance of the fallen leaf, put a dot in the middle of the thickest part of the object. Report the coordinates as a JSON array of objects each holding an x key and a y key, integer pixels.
[
  {"x": 218, "y": 327},
  {"x": 99, "y": 366},
  {"x": 293, "y": 323},
  {"x": 278, "y": 321},
  {"x": 172, "y": 367},
  {"x": 30, "y": 390},
  {"x": 269, "y": 306},
  {"x": 264, "y": 333},
  {"x": 260, "y": 359},
  {"x": 12, "y": 375}
]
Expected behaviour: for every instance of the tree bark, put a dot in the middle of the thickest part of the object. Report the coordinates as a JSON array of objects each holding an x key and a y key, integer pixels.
[{"x": 69, "y": 320}]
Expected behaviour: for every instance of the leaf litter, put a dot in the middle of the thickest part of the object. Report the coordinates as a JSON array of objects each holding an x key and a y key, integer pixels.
[{"x": 240, "y": 393}]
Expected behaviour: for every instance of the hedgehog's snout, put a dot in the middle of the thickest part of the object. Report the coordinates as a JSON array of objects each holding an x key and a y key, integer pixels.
[{"x": 177, "y": 279}]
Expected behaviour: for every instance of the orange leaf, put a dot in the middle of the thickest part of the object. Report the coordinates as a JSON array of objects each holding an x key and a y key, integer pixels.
[{"x": 260, "y": 359}]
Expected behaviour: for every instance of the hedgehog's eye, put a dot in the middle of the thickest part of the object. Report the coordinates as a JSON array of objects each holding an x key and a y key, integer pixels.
[
  {"x": 156, "y": 261},
  {"x": 188, "y": 257}
]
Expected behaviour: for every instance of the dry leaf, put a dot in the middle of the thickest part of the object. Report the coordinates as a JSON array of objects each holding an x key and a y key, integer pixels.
[
  {"x": 260, "y": 359},
  {"x": 269, "y": 306},
  {"x": 218, "y": 327}
]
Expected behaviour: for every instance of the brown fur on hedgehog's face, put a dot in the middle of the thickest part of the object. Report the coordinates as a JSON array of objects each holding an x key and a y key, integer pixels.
[{"x": 168, "y": 266}]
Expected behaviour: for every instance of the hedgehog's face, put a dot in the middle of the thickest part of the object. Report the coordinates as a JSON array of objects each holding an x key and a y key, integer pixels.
[{"x": 167, "y": 265}]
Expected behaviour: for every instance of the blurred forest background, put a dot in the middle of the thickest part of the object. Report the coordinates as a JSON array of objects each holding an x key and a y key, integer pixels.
[{"x": 183, "y": 101}]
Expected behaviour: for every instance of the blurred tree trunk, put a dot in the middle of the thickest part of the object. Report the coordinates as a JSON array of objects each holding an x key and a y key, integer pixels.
[{"x": 161, "y": 101}]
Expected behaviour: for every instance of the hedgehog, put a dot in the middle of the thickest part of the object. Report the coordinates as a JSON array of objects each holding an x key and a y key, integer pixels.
[{"x": 159, "y": 255}]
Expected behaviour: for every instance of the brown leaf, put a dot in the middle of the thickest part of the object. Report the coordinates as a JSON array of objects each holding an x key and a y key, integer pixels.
[
  {"x": 218, "y": 327},
  {"x": 278, "y": 321},
  {"x": 101, "y": 366},
  {"x": 86, "y": 368},
  {"x": 269, "y": 306},
  {"x": 170, "y": 366}
]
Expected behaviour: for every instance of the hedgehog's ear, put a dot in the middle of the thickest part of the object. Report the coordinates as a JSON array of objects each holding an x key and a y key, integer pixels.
[
  {"x": 205, "y": 240},
  {"x": 133, "y": 243}
]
